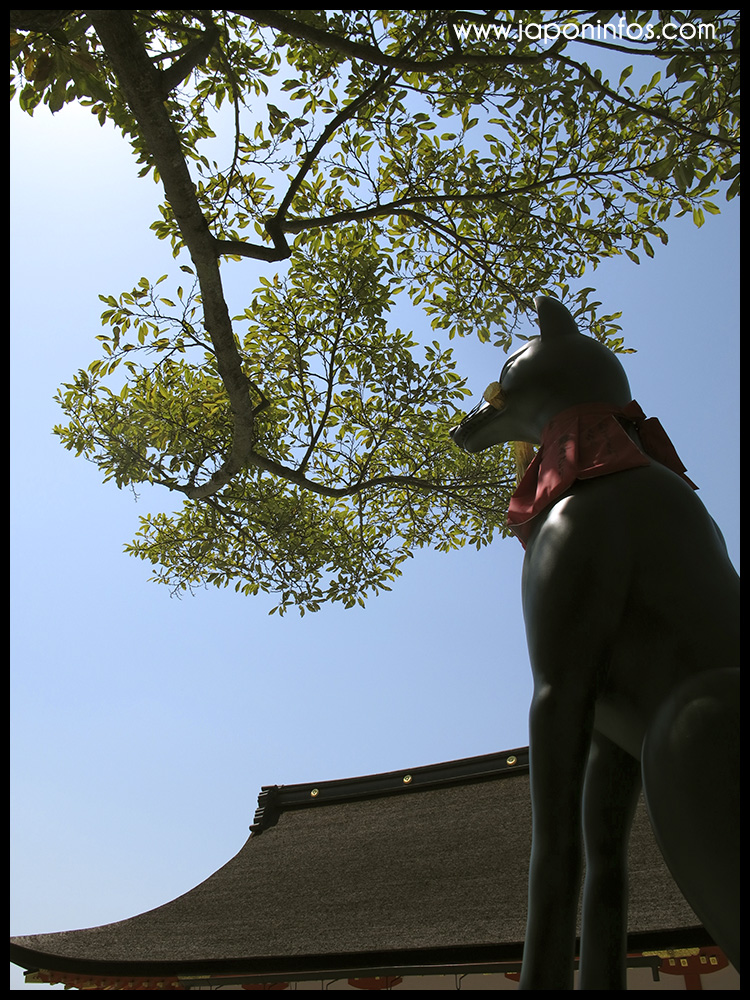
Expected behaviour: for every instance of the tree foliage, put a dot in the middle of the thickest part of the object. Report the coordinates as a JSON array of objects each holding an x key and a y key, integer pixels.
[{"x": 362, "y": 157}]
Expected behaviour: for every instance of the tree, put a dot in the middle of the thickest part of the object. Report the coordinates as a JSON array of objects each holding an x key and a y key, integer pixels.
[{"x": 467, "y": 160}]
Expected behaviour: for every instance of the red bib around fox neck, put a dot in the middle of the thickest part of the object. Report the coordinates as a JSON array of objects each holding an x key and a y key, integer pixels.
[{"x": 581, "y": 443}]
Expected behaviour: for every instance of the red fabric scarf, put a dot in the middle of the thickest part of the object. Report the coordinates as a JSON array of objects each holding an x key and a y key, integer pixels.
[{"x": 582, "y": 443}]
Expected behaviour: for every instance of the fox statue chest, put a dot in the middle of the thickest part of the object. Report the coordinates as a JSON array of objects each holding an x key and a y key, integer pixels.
[{"x": 627, "y": 589}]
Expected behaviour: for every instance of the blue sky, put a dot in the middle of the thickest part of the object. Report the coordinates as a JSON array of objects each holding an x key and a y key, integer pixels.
[{"x": 144, "y": 726}]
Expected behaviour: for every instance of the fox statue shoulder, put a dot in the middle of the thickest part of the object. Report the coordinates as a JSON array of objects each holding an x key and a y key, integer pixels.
[{"x": 631, "y": 609}]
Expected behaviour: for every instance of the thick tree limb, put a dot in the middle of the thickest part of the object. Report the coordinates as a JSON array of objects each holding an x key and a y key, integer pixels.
[
  {"x": 143, "y": 88},
  {"x": 238, "y": 248}
]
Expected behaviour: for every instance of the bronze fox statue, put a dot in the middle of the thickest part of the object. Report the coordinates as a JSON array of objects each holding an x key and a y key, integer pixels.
[{"x": 631, "y": 610}]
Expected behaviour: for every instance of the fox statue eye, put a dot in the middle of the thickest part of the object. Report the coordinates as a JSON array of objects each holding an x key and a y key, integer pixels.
[{"x": 494, "y": 395}]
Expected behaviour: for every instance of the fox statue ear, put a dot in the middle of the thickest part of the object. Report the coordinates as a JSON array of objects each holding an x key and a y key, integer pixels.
[{"x": 554, "y": 318}]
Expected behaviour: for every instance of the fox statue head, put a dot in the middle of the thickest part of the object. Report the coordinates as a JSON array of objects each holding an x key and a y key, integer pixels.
[{"x": 552, "y": 372}]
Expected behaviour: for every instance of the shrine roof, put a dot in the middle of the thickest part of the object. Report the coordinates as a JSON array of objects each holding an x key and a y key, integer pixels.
[{"x": 419, "y": 868}]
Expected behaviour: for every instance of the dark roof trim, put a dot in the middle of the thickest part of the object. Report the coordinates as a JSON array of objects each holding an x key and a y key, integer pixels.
[
  {"x": 475, "y": 959},
  {"x": 275, "y": 799}
]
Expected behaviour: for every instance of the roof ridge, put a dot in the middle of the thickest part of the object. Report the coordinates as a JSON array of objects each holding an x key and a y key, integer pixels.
[{"x": 275, "y": 799}]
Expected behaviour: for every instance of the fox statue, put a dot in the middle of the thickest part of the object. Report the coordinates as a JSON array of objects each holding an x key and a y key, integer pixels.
[{"x": 631, "y": 611}]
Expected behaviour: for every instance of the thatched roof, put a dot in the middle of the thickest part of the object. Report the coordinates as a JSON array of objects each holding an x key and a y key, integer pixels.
[{"x": 411, "y": 870}]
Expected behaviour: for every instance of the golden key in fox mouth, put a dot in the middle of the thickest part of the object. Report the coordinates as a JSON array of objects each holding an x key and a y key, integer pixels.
[{"x": 494, "y": 395}]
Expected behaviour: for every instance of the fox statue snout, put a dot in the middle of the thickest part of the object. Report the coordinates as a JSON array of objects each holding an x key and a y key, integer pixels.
[{"x": 558, "y": 369}]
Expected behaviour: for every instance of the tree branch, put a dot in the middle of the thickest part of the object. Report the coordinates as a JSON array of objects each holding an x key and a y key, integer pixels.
[
  {"x": 141, "y": 85},
  {"x": 373, "y": 55},
  {"x": 299, "y": 479},
  {"x": 645, "y": 109},
  {"x": 195, "y": 54},
  {"x": 403, "y": 206},
  {"x": 346, "y": 113},
  {"x": 237, "y": 248}
]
